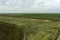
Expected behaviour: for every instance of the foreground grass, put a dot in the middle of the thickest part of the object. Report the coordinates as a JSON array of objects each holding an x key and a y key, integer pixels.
[
  {"x": 34, "y": 29},
  {"x": 10, "y": 32}
]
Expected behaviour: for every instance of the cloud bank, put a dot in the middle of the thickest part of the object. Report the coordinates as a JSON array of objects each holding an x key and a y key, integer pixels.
[{"x": 29, "y": 5}]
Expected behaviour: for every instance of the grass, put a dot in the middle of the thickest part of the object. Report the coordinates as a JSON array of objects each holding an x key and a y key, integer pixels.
[
  {"x": 39, "y": 15},
  {"x": 48, "y": 15},
  {"x": 33, "y": 28},
  {"x": 10, "y": 32}
]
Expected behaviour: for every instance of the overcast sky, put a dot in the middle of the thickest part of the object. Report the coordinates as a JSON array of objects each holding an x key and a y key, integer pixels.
[{"x": 29, "y": 6}]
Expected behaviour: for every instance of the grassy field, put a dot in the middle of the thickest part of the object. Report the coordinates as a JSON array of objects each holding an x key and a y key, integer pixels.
[
  {"x": 39, "y": 15},
  {"x": 29, "y": 26},
  {"x": 46, "y": 15}
]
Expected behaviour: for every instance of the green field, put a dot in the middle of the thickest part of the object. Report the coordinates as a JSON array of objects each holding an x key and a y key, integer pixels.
[
  {"x": 51, "y": 15},
  {"x": 29, "y": 26},
  {"x": 40, "y": 15}
]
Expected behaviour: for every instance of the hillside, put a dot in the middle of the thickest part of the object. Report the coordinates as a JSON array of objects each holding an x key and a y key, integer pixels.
[{"x": 31, "y": 29}]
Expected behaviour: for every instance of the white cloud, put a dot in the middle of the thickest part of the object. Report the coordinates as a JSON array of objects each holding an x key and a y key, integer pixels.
[
  {"x": 19, "y": 5},
  {"x": 46, "y": 4}
]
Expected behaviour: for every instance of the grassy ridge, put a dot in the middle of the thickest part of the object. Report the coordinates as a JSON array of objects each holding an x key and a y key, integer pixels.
[
  {"x": 34, "y": 29},
  {"x": 54, "y": 17}
]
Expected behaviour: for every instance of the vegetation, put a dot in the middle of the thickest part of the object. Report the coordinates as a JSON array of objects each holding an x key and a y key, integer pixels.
[
  {"x": 10, "y": 32},
  {"x": 15, "y": 27},
  {"x": 37, "y": 15},
  {"x": 40, "y": 15}
]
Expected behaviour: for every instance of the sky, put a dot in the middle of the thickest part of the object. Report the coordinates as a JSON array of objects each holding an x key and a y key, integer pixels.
[{"x": 29, "y": 6}]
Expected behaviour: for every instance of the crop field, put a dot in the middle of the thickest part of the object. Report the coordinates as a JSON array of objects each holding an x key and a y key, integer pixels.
[{"x": 29, "y": 26}]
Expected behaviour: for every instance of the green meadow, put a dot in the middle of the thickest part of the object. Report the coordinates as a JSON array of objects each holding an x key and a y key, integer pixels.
[
  {"x": 29, "y": 26},
  {"x": 51, "y": 15}
]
